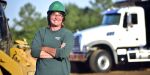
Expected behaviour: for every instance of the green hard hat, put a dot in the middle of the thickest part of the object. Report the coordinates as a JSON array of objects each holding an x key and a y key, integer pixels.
[{"x": 57, "y": 6}]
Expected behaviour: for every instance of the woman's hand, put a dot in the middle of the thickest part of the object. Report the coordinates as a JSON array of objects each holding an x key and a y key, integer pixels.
[{"x": 63, "y": 45}]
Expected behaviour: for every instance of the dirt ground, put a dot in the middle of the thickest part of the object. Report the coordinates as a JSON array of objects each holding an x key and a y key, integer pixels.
[
  {"x": 128, "y": 69},
  {"x": 117, "y": 73}
]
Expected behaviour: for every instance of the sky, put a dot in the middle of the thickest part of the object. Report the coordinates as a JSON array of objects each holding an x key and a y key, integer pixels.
[{"x": 13, "y": 6}]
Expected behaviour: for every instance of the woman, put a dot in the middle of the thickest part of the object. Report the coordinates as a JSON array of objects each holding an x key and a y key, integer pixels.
[{"x": 53, "y": 44}]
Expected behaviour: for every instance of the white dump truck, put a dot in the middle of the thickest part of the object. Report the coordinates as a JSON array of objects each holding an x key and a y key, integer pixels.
[{"x": 123, "y": 37}]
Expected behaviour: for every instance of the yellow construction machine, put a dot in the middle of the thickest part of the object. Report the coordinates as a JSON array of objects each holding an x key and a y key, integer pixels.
[{"x": 15, "y": 59}]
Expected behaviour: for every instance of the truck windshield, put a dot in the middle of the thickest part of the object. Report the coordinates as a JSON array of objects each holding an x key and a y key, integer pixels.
[{"x": 111, "y": 19}]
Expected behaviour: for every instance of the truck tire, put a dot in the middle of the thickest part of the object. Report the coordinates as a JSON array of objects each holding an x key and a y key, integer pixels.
[{"x": 100, "y": 61}]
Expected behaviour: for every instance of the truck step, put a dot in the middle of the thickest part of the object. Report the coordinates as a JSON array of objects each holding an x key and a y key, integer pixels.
[{"x": 138, "y": 55}]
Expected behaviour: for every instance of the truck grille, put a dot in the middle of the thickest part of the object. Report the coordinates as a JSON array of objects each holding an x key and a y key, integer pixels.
[{"x": 76, "y": 43}]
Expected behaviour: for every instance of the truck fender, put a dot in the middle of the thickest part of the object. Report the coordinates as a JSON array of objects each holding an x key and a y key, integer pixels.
[{"x": 106, "y": 43}]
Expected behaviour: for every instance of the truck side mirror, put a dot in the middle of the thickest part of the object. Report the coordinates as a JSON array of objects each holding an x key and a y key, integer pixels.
[{"x": 125, "y": 21}]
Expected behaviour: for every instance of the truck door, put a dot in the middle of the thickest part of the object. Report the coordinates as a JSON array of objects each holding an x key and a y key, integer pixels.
[{"x": 132, "y": 31}]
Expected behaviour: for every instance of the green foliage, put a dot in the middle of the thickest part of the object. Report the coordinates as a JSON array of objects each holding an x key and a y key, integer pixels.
[
  {"x": 79, "y": 19},
  {"x": 30, "y": 21},
  {"x": 101, "y": 5}
]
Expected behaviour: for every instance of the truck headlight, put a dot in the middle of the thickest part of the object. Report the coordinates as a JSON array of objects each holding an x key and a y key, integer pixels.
[{"x": 121, "y": 51}]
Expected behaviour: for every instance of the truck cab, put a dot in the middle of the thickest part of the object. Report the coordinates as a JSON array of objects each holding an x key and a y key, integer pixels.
[{"x": 122, "y": 37}]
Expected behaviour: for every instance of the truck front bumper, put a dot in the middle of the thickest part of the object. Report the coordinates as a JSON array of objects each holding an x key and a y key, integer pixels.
[{"x": 77, "y": 57}]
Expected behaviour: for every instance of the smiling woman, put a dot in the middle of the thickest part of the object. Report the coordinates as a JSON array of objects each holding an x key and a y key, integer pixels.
[
  {"x": 56, "y": 19},
  {"x": 53, "y": 44}
]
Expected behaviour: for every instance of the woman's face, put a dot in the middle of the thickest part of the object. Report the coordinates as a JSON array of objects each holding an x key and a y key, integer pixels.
[{"x": 56, "y": 19}]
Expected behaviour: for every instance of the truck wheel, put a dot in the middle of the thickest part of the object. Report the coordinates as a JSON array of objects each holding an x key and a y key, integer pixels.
[{"x": 100, "y": 61}]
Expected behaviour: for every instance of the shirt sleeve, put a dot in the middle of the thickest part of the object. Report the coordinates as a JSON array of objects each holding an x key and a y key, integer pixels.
[
  {"x": 36, "y": 45},
  {"x": 65, "y": 51}
]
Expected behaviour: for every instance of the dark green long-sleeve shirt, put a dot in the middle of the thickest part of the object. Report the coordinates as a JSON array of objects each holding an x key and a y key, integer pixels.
[{"x": 59, "y": 65}]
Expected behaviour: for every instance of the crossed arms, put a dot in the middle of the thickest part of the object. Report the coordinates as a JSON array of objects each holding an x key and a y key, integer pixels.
[{"x": 48, "y": 52}]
